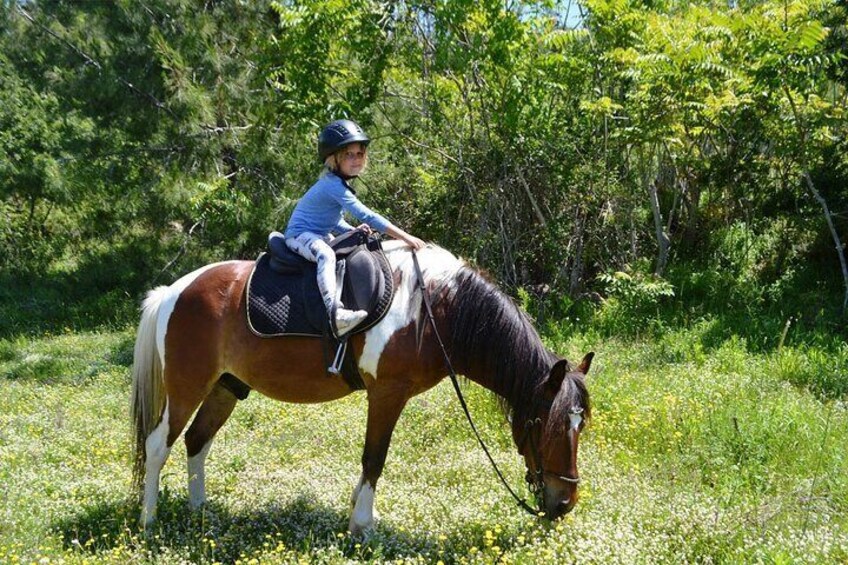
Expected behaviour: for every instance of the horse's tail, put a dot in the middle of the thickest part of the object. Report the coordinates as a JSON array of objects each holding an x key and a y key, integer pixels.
[{"x": 148, "y": 390}]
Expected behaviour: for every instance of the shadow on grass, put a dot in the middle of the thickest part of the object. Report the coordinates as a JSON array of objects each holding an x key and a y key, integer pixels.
[
  {"x": 112, "y": 526},
  {"x": 302, "y": 526},
  {"x": 76, "y": 365},
  {"x": 51, "y": 304},
  {"x": 102, "y": 290}
]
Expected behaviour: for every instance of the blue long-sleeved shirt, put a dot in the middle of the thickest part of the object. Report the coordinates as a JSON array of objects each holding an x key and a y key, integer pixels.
[{"x": 320, "y": 209}]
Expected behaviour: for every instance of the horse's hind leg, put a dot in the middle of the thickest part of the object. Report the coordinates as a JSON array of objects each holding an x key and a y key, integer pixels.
[
  {"x": 214, "y": 411},
  {"x": 178, "y": 410},
  {"x": 156, "y": 452}
]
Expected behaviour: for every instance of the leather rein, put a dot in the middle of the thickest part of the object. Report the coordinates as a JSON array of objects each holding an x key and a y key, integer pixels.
[{"x": 535, "y": 480}]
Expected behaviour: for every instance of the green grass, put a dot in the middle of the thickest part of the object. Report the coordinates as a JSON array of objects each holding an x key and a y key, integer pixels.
[{"x": 699, "y": 451}]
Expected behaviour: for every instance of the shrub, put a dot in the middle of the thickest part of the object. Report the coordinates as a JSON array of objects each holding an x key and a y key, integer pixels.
[{"x": 632, "y": 304}]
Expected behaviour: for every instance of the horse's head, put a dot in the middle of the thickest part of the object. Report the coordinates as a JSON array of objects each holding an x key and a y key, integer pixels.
[{"x": 548, "y": 438}]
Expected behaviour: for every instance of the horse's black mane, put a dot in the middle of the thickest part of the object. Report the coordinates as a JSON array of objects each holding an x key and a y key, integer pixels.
[{"x": 492, "y": 333}]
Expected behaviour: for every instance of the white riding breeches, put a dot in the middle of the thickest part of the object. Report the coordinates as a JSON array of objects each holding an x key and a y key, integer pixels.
[{"x": 316, "y": 248}]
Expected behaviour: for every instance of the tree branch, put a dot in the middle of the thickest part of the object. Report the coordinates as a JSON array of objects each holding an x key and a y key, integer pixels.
[{"x": 802, "y": 132}]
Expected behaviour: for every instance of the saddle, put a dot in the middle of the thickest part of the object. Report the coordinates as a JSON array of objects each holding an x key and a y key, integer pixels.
[{"x": 283, "y": 297}]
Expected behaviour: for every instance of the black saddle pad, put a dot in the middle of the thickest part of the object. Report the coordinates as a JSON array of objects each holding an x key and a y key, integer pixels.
[
  {"x": 283, "y": 297},
  {"x": 283, "y": 304}
]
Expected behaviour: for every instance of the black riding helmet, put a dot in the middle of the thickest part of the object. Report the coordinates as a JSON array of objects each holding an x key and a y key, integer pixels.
[{"x": 338, "y": 134}]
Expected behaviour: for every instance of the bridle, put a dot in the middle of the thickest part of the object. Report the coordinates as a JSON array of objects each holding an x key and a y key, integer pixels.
[{"x": 536, "y": 480}]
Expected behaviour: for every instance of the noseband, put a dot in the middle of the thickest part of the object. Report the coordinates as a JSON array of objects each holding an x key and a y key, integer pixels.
[{"x": 536, "y": 479}]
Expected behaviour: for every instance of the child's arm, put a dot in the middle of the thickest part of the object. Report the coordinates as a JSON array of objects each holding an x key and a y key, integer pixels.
[
  {"x": 375, "y": 221},
  {"x": 352, "y": 205},
  {"x": 398, "y": 233},
  {"x": 343, "y": 227}
]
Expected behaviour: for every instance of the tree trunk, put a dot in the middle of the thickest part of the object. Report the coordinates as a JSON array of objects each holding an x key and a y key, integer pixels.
[
  {"x": 833, "y": 233},
  {"x": 536, "y": 208},
  {"x": 650, "y": 186},
  {"x": 802, "y": 132},
  {"x": 663, "y": 242}
]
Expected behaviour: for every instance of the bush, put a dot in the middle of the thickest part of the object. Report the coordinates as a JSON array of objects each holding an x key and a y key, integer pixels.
[{"x": 633, "y": 303}]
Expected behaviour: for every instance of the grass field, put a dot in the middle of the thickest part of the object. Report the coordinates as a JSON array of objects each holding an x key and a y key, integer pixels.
[{"x": 695, "y": 454}]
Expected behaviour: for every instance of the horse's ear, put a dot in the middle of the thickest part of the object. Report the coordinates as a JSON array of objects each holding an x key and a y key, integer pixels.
[
  {"x": 558, "y": 372},
  {"x": 586, "y": 363}
]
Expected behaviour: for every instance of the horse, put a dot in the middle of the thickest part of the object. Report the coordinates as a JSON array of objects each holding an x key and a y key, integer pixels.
[{"x": 193, "y": 337}]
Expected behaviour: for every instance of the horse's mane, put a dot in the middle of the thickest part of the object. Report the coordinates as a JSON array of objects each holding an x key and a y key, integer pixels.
[{"x": 492, "y": 333}]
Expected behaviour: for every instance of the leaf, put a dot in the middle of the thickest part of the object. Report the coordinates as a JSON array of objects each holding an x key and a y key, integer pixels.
[
  {"x": 604, "y": 106},
  {"x": 715, "y": 68},
  {"x": 289, "y": 17},
  {"x": 809, "y": 35},
  {"x": 560, "y": 39}
]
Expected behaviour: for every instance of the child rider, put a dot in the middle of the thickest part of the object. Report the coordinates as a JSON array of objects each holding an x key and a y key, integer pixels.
[{"x": 343, "y": 147}]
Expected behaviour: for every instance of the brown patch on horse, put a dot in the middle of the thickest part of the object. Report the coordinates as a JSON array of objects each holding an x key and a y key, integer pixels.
[
  {"x": 214, "y": 411},
  {"x": 208, "y": 336}
]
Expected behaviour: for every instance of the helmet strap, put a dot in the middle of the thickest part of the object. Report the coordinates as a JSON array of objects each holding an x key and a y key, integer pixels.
[{"x": 345, "y": 179}]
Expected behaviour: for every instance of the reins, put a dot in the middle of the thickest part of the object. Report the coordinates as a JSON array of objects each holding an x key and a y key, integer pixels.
[{"x": 428, "y": 306}]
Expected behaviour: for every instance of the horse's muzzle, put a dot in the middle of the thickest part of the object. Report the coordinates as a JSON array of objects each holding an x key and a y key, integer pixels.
[{"x": 560, "y": 509}]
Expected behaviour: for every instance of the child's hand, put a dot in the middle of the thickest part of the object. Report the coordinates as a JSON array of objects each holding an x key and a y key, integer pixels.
[
  {"x": 415, "y": 243},
  {"x": 366, "y": 228},
  {"x": 410, "y": 240}
]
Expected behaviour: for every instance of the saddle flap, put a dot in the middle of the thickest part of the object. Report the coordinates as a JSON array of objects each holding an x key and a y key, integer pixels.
[
  {"x": 283, "y": 303},
  {"x": 364, "y": 281}
]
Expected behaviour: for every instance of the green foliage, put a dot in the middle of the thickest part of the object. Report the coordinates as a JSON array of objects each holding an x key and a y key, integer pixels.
[
  {"x": 760, "y": 263},
  {"x": 821, "y": 371},
  {"x": 328, "y": 58},
  {"x": 632, "y": 303},
  {"x": 635, "y": 290},
  {"x": 500, "y": 133}
]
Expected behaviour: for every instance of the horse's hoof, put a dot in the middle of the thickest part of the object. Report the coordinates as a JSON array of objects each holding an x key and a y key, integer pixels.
[
  {"x": 361, "y": 530},
  {"x": 146, "y": 526}
]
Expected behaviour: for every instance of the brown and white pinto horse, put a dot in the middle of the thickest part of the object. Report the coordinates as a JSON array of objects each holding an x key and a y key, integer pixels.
[{"x": 194, "y": 331}]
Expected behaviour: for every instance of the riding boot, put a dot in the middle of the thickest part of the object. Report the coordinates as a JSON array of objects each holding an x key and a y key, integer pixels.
[{"x": 346, "y": 319}]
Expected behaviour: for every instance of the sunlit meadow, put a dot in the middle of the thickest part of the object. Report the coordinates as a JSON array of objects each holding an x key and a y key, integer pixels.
[{"x": 693, "y": 455}]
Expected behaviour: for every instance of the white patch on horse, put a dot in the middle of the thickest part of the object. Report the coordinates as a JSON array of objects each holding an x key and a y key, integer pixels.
[
  {"x": 576, "y": 419},
  {"x": 363, "y": 511},
  {"x": 168, "y": 296},
  {"x": 356, "y": 490},
  {"x": 197, "y": 477},
  {"x": 439, "y": 268},
  {"x": 156, "y": 453}
]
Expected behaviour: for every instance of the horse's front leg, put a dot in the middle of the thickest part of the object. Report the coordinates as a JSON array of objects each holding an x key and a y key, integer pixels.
[{"x": 385, "y": 404}]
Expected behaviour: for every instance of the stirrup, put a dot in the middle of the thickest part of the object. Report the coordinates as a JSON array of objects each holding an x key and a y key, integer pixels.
[{"x": 336, "y": 367}]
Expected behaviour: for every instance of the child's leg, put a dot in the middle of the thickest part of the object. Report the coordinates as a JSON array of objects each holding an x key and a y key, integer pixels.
[{"x": 313, "y": 247}]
